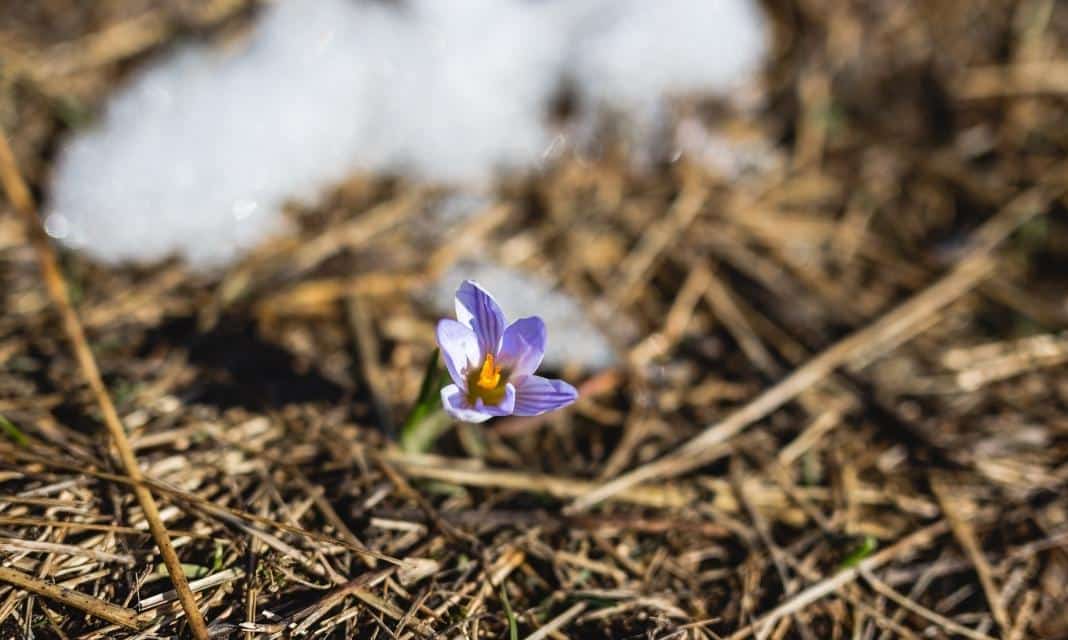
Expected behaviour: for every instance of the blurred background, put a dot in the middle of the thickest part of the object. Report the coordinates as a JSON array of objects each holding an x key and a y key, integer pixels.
[{"x": 262, "y": 208}]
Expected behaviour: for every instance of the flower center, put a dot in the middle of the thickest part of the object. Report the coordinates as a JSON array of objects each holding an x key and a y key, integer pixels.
[{"x": 485, "y": 383}]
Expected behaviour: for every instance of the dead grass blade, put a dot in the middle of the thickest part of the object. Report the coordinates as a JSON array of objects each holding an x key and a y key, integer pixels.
[
  {"x": 884, "y": 334},
  {"x": 21, "y": 199},
  {"x": 93, "y": 606}
]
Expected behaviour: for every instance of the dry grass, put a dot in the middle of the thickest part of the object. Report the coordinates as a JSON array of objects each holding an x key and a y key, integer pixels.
[{"x": 863, "y": 345}]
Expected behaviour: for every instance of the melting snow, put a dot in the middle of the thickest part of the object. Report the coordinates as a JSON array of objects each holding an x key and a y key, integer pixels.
[{"x": 197, "y": 155}]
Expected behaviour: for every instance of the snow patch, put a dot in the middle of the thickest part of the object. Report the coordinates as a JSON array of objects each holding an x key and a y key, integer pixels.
[{"x": 198, "y": 154}]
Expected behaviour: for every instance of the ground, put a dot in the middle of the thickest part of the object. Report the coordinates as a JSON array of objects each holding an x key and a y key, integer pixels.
[{"x": 840, "y": 411}]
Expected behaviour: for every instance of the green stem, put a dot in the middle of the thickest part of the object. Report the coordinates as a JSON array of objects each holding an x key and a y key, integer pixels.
[
  {"x": 420, "y": 436},
  {"x": 427, "y": 420}
]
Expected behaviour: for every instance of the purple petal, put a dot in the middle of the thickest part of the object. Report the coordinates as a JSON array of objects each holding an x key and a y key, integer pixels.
[
  {"x": 459, "y": 349},
  {"x": 455, "y": 403},
  {"x": 522, "y": 347},
  {"x": 476, "y": 308},
  {"x": 536, "y": 395}
]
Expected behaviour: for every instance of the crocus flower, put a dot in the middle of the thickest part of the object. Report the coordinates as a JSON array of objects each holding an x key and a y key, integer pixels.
[{"x": 492, "y": 366}]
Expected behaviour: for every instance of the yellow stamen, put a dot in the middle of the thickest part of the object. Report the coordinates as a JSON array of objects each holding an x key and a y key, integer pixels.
[{"x": 490, "y": 375}]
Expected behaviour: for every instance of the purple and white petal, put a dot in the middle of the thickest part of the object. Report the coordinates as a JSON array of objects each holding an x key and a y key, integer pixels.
[
  {"x": 503, "y": 408},
  {"x": 536, "y": 395},
  {"x": 453, "y": 398},
  {"x": 522, "y": 347},
  {"x": 459, "y": 349},
  {"x": 476, "y": 308}
]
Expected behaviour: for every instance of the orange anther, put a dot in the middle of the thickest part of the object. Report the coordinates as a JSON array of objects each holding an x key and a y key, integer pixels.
[{"x": 490, "y": 376}]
